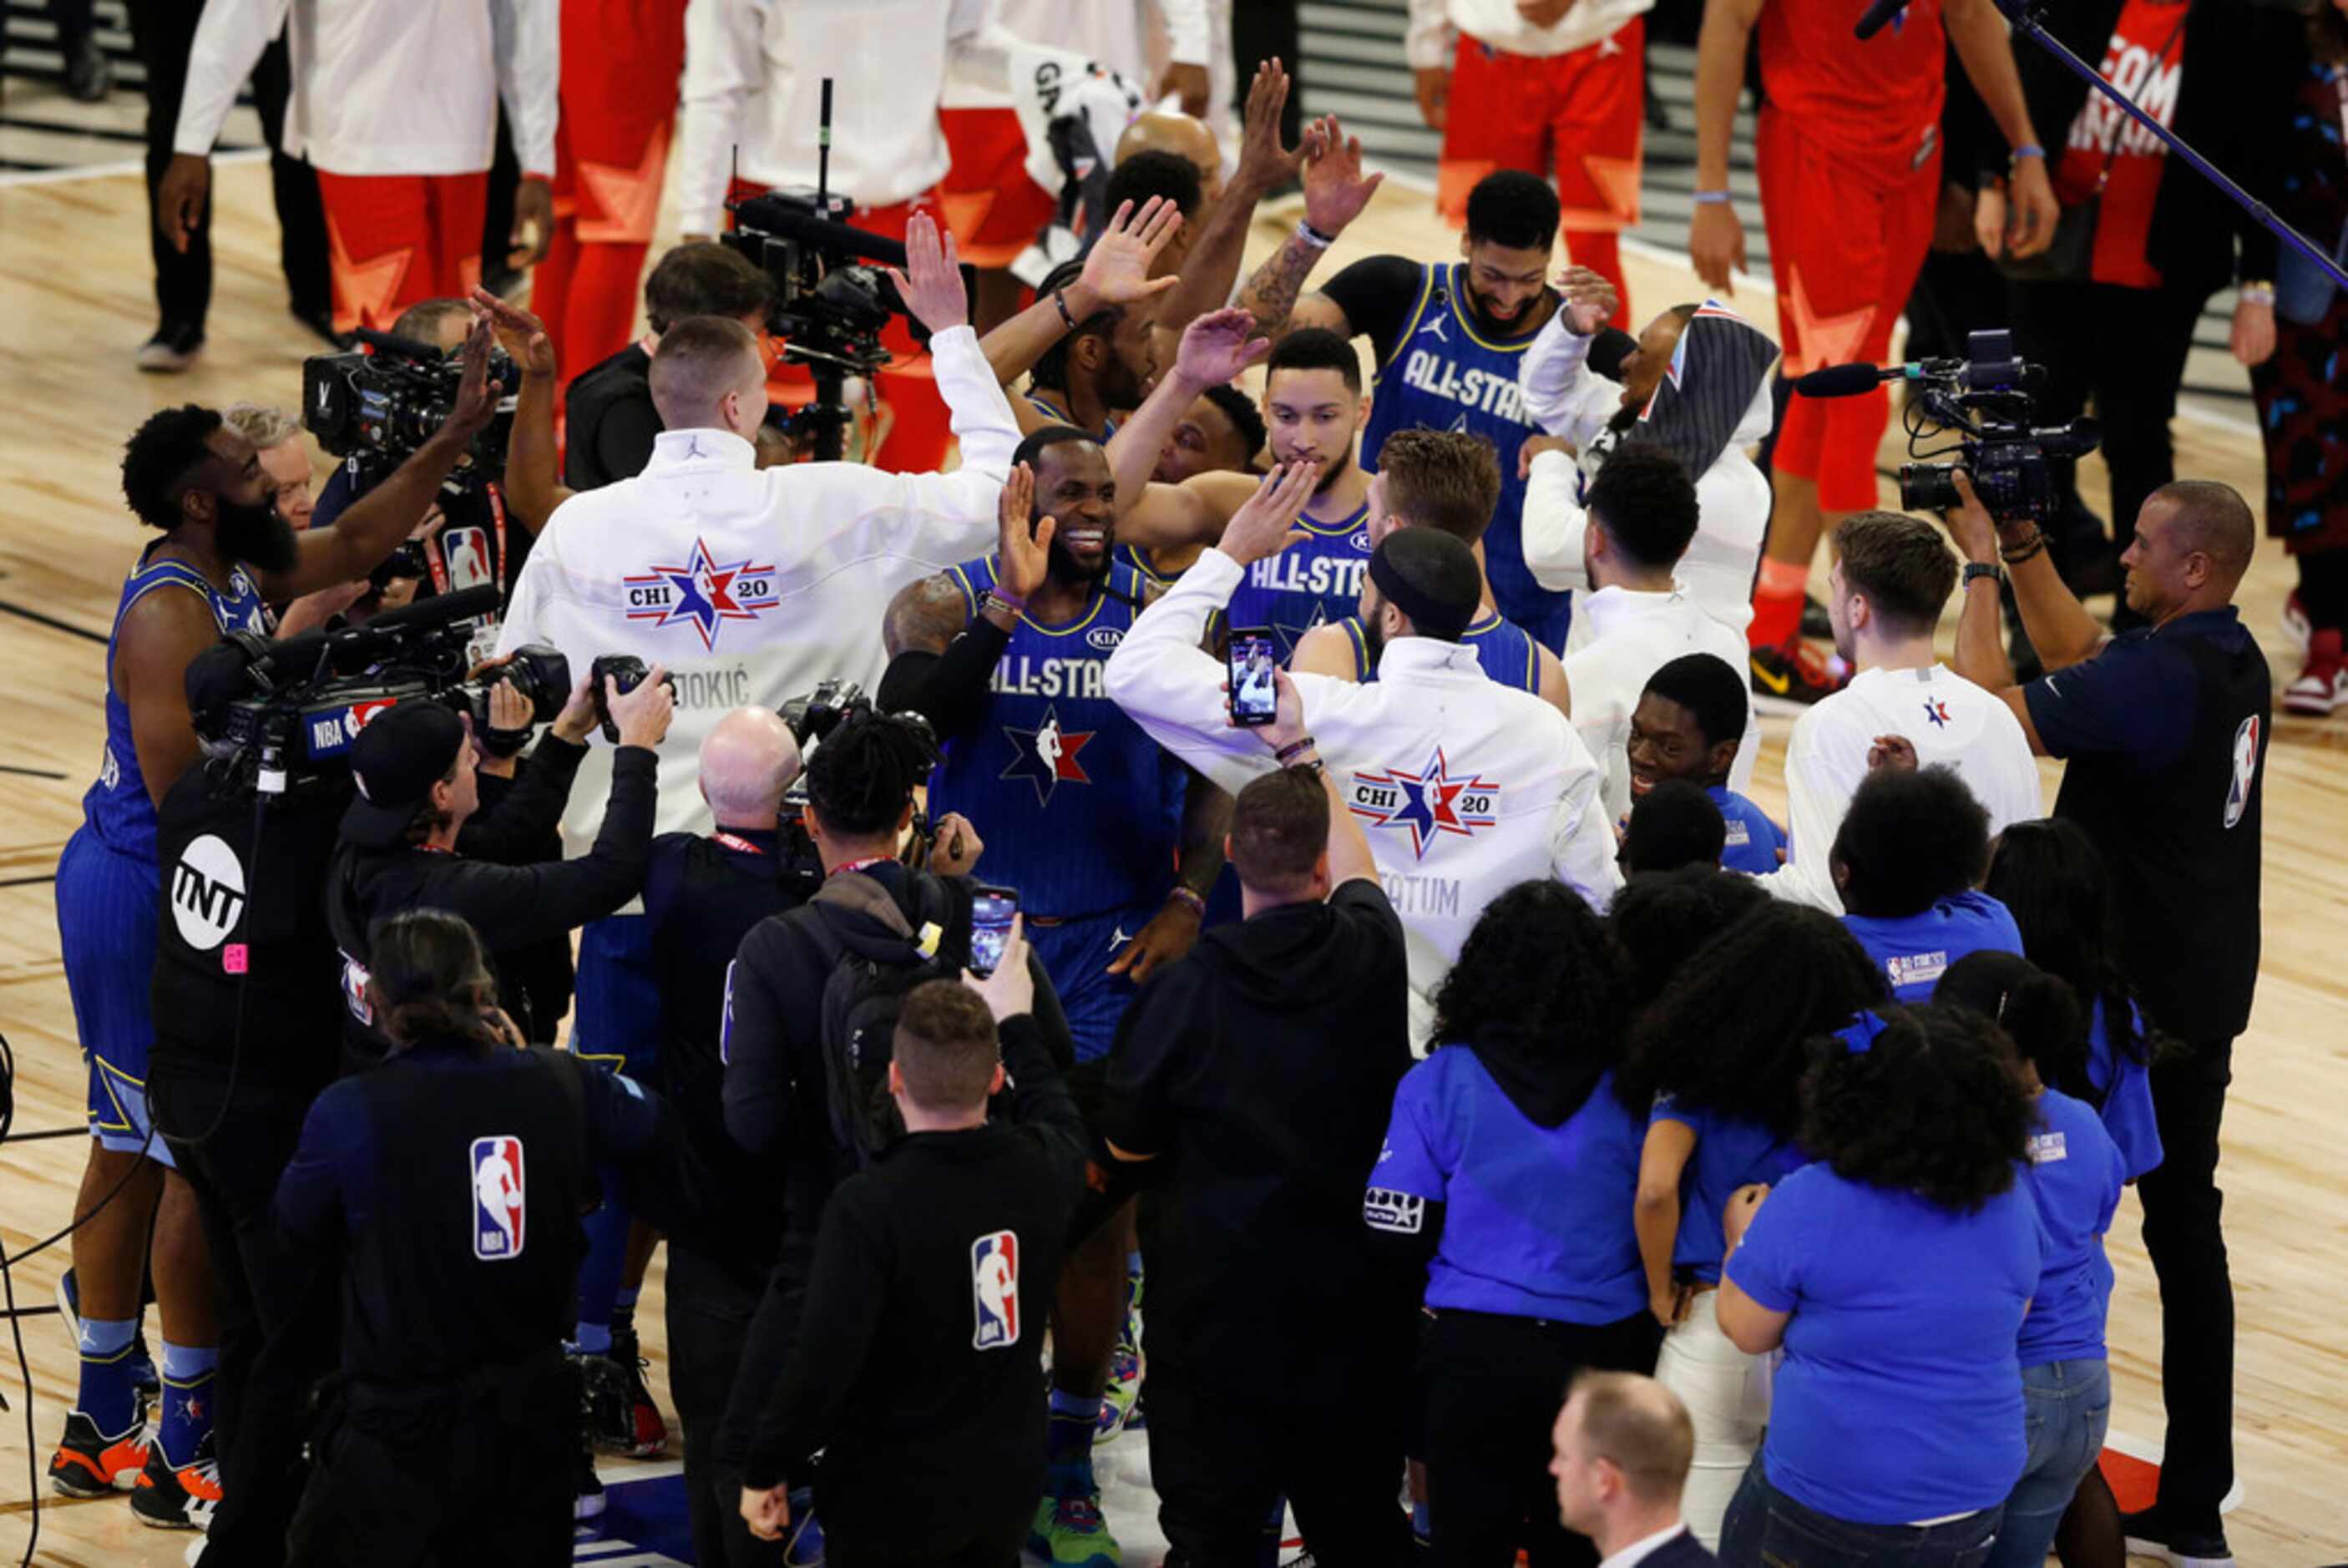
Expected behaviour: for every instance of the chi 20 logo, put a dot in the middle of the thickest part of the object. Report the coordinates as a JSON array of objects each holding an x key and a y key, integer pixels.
[
  {"x": 497, "y": 1172},
  {"x": 995, "y": 1290}
]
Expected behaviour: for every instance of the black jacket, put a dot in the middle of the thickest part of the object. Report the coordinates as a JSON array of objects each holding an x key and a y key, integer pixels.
[
  {"x": 1260, "y": 1070},
  {"x": 541, "y": 973},
  {"x": 611, "y": 420},
  {"x": 2226, "y": 110},
  {"x": 919, "y": 1356},
  {"x": 510, "y": 906}
]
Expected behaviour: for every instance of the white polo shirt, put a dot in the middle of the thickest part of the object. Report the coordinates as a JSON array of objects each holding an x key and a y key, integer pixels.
[{"x": 1620, "y": 637}]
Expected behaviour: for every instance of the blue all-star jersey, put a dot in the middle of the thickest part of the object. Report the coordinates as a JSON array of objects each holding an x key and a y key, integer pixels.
[
  {"x": 1504, "y": 649},
  {"x": 1081, "y": 811},
  {"x": 1442, "y": 376},
  {"x": 1308, "y": 584}
]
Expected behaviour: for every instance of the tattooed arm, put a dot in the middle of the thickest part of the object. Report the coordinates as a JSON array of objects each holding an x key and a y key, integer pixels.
[{"x": 1335, "y": 194}]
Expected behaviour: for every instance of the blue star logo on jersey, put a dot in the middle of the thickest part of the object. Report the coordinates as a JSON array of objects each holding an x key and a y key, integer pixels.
[
  {"x": 1046, "y": 756},
  {"x": 703, "y": 592},
  {"x": 1430, "y": 802},
  {"x": 1937, "y": 711}
]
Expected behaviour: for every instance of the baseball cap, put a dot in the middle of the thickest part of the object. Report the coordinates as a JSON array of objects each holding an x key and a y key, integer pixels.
[{"x": 395, "y": 762}]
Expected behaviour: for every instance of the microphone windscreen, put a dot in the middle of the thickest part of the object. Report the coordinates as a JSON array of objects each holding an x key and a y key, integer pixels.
[{"x": 1840, "y": 381}]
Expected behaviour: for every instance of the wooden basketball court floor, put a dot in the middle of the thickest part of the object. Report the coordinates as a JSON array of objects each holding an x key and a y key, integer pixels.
[{"x": 75, "y": 293}]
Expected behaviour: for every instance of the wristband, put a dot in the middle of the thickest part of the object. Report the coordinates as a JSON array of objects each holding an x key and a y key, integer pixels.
[
  {"x": 1976, "y": 569},
  {"x": 1017, "y": 607},
  {"x": 2027, "y": 150},
  {"x": 1711, "y": 198},
  {"x": 2257, "y": 292},
  {"x": 2015, "y": 554},
  {"x": 1188, "y": 900},
  {"x": 1313, "y": 236},
  {"x": 1060, "y": 298},
  {"x": 1293, "y": 749}
]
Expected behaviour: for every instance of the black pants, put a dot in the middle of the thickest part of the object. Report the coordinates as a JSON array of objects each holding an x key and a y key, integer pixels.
[
  {"x": 2182, "y": 1209},
  {"x": 456, "y": 1475},
  {"x": 164, "y": 31},
  {"x": 992, "y": 1543},
  {"x": 709, "y": 1311},
  {"x": 263, "y": 1292},
  {"x": 2124, "y": 349},
  {"x": 1221, "y": 1465},
  {"x": 1494, "y": 1385},
  {"x": 1260, "y": 30}
]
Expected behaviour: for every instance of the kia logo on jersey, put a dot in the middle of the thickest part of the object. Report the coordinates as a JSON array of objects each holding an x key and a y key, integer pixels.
[
  {"x": 995, "y": 1290},
  {"x": 2246, "y": 769},
  {"x": 1105, "y": 638},
  {"x": 497, "y": 1171}
]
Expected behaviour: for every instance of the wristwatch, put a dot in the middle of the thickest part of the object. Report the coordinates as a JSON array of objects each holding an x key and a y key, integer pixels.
[{"x": 1988, "y": 569}]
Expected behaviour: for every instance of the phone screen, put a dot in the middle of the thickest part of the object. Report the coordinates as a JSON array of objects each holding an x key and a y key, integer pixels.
[
  {"x": 1254, "y": 697},
  {"x": 991, "y": 910}
]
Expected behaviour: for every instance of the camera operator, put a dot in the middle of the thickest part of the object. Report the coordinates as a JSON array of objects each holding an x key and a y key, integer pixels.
[
  {"x": 453, "y": 1431},
  {"x": 400, "y": 846},
  {"x": 703, "y": 894},
  {"x": 224, "y": 552},
  {"x": 778, "y": 1076},
  {"x": 2164, "y": 729},
  {"x": 469, "y": 537}
]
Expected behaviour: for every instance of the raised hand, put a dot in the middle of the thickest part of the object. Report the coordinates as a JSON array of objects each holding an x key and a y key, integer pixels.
[
  {"x": 519, "y": 332},
  {"x": 1334, "y": 190},
  {"x": 476, "y": 395},
  {"x": 931, "y": 285},
  {"x": 1117, "y": 269},
  {"x": 1264, "y": 524},
  {"x": 1218, "y": 345},
  {"x": 1589, "y": 299},
  {"x": 1021, "y": 557},
  {"x": 1263, "y": 162}
]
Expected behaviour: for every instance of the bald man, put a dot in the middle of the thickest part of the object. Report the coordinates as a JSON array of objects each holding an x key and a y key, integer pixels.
[
  {"x": 1191, "y": 139},
  {"x": 703, "y": 893},
  {"x": 2165, "y": 731},
  {"x": 1624, "y": 1445}
]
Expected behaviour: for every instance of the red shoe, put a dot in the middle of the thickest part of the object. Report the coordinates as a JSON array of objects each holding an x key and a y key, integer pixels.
[
  {"x": 89, "y": 1463},
  {"x": 1790, "y": 678},
  {"x": 2322, "y": 688}
]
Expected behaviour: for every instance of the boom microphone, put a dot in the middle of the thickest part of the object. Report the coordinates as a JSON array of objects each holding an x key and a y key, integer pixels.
[
  {"x": 775, "y": 216},
  {"x": 1880, "y": 13},
  {"x": 295, "y": 656},
  {"x": 1846, "y": 380}
]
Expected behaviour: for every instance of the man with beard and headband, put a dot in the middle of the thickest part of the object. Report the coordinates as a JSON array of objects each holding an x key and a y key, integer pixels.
[
  {"x": 1696, "y": 385},
  {"x": 1446, "y": 338},
  {"x": 1112, "y": 844},
  {"x": 225, "y": 552}
]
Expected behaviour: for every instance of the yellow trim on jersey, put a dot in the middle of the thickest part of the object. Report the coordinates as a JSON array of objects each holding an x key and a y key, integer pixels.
[
  {"x": 969, "y": 593},
  {"x": 108, "y": 1073},
  {"x": 1410, "y": 327},
  {"x": 1458, "y": 314},
  {"x": 1354, "y": 633},
  {"x": 1337, "y": 530}
]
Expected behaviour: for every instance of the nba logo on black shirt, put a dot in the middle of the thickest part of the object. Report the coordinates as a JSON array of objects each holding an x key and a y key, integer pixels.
[
  {"x": 497, "y": 1198},
  {"x": 995, "y": 1290}
]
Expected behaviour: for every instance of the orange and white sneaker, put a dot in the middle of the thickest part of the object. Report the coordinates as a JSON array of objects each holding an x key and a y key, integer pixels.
[
  {"x": 181, "y": 1497},
  {"x": 1790, "y": 679},
  {"x": 89, "y": 1463}
]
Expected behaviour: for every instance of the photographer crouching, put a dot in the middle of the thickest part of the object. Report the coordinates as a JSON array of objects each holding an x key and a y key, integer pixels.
[{"x": 402, "y": 844}]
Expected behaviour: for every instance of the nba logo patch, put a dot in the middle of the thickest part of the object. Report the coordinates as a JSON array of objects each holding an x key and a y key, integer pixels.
[
  {"x": 467, "y": 551},
  {"x": 497, "y": 1172},
  {"x": 2246, "y": 769},
  {"x": 995, "y": 1290}
]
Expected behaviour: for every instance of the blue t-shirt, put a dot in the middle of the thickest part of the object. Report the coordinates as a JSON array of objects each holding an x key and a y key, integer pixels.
[
  {"x": 1504, "y": 651},
  {"x": 2126, "y": 1087},
  {"x": 1311, "y": 583},
  {"x": 1754, "y": 840},
  {"x": 1537, "y": 1220},
  {"x": 1900, "y": 1396},
  {"x": 1730, "y": 1152},
  {"x": 2075, "y": 1175},
  {"x": 1082, "y": 811},
  {"x": 1917, "y": 950}
]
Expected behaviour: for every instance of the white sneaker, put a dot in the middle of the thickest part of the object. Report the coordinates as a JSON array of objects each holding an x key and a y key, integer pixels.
[
  {"x": 2322, "y": 688},
  {"x": 2296, "y": 627},
  {"x": 171, "y": 350}
]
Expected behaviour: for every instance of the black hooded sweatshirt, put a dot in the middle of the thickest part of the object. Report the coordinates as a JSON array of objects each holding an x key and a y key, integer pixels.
[{"x": 1260, "y": 1070}]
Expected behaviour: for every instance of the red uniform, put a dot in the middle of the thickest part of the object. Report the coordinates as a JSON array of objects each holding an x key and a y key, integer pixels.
[
  {"x": 397, "y": 240},
  {"x": 1847, "y": 150},
  {"x": 620, "y": 60},
  {"x": 992, "y": 208},
  {"x": 1580, "y": 114}
]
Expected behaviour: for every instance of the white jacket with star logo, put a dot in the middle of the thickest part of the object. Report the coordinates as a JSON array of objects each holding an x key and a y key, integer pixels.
[
  {"x": 1464, "y": 787},
  {"x": 752, "y": 585}
]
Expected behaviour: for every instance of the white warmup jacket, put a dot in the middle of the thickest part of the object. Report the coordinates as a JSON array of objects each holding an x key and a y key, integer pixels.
[
  {"x": 1569, "y": 400},
  {"x": 1629, "y": 636},
  {"x": 752, "y": 585},
  {"x": 1113, "y": 33},
  {"x": 1466, "y": 787},
  {"x": 385, "y": 87},
  {"x": 1947, "y": 719},
  {"x": 1436, "y": 26}
]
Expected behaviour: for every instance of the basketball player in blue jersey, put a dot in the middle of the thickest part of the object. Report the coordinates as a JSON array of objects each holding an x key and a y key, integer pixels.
[
  {"x": 1447, "y": 339},
  {"x": 1689, "y": 724},
  {"x": 1449, "y": 481},
  {"x": 225, "y": 552},
  {"x": 1111, "y": 844}
]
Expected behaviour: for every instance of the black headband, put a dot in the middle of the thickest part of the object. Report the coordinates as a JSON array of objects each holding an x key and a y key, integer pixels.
[{"x": 1430, "y": 615}]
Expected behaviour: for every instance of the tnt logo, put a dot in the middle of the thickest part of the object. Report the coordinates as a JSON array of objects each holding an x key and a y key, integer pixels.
[
  {"x": 995, "y": 1290},
  {"x": 207, "y": 892},
  {"x": 497, "y": 1170}
]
